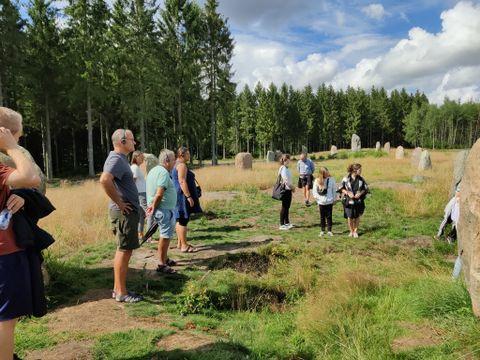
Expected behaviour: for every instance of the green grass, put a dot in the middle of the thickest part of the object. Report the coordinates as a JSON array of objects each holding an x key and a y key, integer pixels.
[{"x": 303, "y": 297}]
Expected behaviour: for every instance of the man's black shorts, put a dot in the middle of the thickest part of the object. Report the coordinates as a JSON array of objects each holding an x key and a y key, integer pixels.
[{"x": 306, "y": 180}]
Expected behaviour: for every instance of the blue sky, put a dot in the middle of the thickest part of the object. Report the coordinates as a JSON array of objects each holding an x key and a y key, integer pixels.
[{"x": 433, "y": 46}]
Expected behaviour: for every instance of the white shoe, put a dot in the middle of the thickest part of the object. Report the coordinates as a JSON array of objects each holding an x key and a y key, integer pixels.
[
  {"x": 355, "y": 235},
  {"x": 321, "y": 234},
  {"x": 351, "y": 234},
  {"x": 329, "y": 233},
  {"x": 283, "y": 227},
  {"x": 289, "y": 225}
]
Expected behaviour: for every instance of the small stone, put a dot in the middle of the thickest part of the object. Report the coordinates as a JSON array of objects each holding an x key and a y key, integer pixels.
[
  {"x": 416, "y": 154},
  {"x": 333, "y": 150},
  {"x": 386, "y": 147},
  {"x": 356, "y": 143},
  {"x": 244, "y": 161},
  {"x": 378, "y": 146},
  {"x": 399, "y": 153},
  {"x": 270, "y": 156},
  {"x": 425, "y": 161}
]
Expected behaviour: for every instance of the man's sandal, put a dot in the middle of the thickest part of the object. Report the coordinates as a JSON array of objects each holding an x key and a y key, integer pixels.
[{"x": 165, "y": 269}]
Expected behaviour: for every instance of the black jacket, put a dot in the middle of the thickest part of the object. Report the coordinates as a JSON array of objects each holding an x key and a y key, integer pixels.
[{"x": 33, "y": 239}]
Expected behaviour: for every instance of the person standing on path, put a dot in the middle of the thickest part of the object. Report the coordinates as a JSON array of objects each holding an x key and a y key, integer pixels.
[
  {"x": 15, "y": 282},
  {"x": 305, "y": 168},
  {"x": 286, "y": 179},
  {"x": 354, "y": 189},
  {"x": 187, "y": 198},
  {"x": 162, "y": 201},
  {"x": 324, "y": 191},
  {"x": 117, "y": 182},
  {"x": 137, "y": 159}
]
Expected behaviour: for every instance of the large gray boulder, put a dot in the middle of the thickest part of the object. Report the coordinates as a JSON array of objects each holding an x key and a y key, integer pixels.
[
  {"x": 469, "y": 223},
  {"x": 333, "y": 150},
  {"x": 399, "y": 153},
  {"x": 356, "y": 143},
  {"x": 459, "y": 168},
  {"x": 244, "y": 161},
  {"x": 270, "y": 156},
  {"x": 416, "y": 154},
  {"x": 386, "y": 147},
  {"x": 425, "y": 162},
  {"x": 378, "y": 146},
  {"x": 5, "y": 159}
]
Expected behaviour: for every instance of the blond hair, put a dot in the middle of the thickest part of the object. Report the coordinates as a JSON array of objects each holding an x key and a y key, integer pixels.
[{"x": 10, "y": 120}]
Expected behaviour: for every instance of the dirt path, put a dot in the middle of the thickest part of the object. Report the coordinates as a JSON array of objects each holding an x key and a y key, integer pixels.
[{"x": 95, "y": 313}]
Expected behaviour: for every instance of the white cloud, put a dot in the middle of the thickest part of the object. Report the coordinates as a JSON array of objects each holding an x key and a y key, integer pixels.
[
  {"x": 375, "y": 11},
  {"x": 441, "y": 64}
]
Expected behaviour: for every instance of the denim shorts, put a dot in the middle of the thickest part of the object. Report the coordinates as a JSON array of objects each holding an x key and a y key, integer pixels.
[{"x": 166, "y": 222}]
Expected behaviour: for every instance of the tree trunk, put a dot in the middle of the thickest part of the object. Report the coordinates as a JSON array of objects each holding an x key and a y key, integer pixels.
[
  {"x": 74, "y": 149},
  {"x": 91, "y": 170},
  {"x": 102, "y": 142},
  {"x": 213, "y": 129},
  {"x": 107, "y": 137},
  {"x": 48, "y": 147}
]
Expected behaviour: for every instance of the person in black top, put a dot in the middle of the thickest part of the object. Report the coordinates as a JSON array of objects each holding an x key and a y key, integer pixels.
[{"x": 354, "y": 190}]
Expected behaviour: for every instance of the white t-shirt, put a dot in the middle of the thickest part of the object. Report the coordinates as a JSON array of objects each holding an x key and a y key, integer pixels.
[
  {"x": 286, "y": 176},
  {"x": 139, "y": 178}
]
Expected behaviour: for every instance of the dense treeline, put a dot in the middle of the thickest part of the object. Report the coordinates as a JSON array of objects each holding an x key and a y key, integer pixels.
[{"x": 165, "y": 72}]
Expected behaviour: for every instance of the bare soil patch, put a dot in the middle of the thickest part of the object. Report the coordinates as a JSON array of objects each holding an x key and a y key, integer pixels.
[
  {"x": 186, "y": 341},
  {"x": 100, "y": 317},
  {"x": 73, "y": 350},
  {"x": 419, "y": 335}
]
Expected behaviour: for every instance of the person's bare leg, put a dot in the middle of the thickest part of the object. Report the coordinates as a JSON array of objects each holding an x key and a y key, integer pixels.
[
  {"x": 357, "y": 223},
  {"x": 120, "y": 270},
  {"x": 182, "y": 236},
  {"x": 305, "y": 191},
  {"x": 163, "y": 245},
  {"x": 7, "y": 339},
  {"x": 351, "y": 225}
]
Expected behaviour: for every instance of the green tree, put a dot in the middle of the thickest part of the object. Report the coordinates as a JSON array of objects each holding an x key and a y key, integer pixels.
[{"x": 217, "y": 54}]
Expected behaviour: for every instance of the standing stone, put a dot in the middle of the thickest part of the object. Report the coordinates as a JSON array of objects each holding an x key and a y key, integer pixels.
[
  {"x": 469, "y": 223},
  {"x": 278, "y": 155},
  {"x": 356, "y": 143},
  {"x": 304, "y": 149},
  {"x": 333, "y": 150},
  {"x": 5, "y": 159},
  {"x": 378, "y": 146},
  {"x": 399, "y": 153},
  {"x": 150, "y": 162},
  {"x": 425, "y": 162},
  {"x": 416, "y": 154},
  {"x": 386, "y": 147},
  {"x": 459, "y": 169},
  {"x": 244, "y": 161},
  {"x": 270, "y": 156}
]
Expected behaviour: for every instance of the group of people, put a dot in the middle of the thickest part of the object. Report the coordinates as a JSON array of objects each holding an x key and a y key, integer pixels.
[
  {"x": 352, "y": 191},
  {"x": 166, "y": 198}
]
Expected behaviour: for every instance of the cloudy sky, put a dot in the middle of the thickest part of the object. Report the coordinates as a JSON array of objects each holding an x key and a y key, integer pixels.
[{"x": 432, "y": 45}]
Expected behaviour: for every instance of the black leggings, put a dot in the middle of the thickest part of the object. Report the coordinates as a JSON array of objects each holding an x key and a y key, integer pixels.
[
  {"x": 326, "y": 216},
  {"x": 286, "y": 202}
]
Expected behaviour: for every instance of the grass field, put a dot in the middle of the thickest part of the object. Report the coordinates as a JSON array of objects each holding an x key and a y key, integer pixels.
[{"x": 258, "y": 293}]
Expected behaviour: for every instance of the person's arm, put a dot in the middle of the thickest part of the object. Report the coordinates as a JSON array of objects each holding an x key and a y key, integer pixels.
[
  {"x": 363, "y": 191},
  {"x": 134, "y": 172},
  {"x": 106, "y": 180},
  {"x": 157, "y": 199},
  {"x": 182, "y": 179},
  {"x": 315, "y": 193},
  {"x": 24, "y": 175}
]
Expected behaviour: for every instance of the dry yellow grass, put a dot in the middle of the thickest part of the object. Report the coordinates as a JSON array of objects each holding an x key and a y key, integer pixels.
[{"x": 82, "y": 217}]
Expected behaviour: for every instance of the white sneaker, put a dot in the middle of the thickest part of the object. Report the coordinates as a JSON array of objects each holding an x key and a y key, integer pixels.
[
  {"x": 283, "y": 227},
  {"x": 355, "y": 235},
  {"x": 289, "y": 225},
  {"x": 321, "y": 234},
  {"x": 351, "y": 234},
  {"x": 329, "y": 233}
]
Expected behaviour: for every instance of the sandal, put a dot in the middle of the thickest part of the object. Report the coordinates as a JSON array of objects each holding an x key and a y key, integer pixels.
[
  {"x": 165, "y": 269},
  {"x": 129, "y": 298},
  {"x": 189, "y": 249},
  {"x": 171, "y": 262}
]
